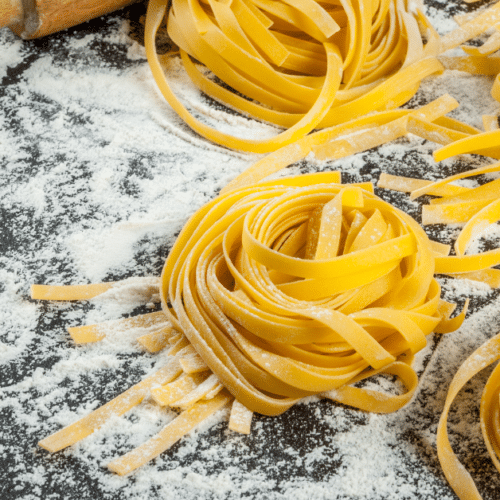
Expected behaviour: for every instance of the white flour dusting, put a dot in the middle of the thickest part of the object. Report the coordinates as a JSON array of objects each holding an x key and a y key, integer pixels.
[{"x": 98, "y": 176}]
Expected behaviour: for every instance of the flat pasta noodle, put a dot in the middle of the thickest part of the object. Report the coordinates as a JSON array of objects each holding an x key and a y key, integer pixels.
[
  {"x": 473, "y": 144},
  {"x": 459, "y": 479},
  {"x": 93, "y": 333}
]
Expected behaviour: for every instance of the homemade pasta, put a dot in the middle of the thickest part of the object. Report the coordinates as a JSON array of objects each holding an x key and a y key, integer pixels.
[
  {"x": 299, "y": 64},
  {"x": 277, "y": 290},
  {"x": 274, "y": 292}
]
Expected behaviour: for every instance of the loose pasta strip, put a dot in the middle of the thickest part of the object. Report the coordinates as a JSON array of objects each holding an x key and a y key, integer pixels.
[
  {"x": 494, "y": 167},
  {"x": 71, "y": 292},
  {"x": 491, "y": 46},
  {"x": 377, "y": 401},
  {"x": 489, "y": 276},
  {"x": 409, "y": 184},
  {"x": 156, "y": 341},
  {"x": 168, "y": 394},
  {"x": 240, "y": 419},
  {"x": 193, "y": 364},
  {"x": 473, "y": 144},
  {"x": 459, "y": 479},
  {"x": 144, "y": 286},
  {"x": 94, "y": 333},
  {"x": 205, "y": 390}
]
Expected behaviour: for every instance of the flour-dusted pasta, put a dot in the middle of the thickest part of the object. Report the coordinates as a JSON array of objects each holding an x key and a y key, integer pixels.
[
  {"x": 274, "y": 292},
  {"x": 298, "y": 64}
]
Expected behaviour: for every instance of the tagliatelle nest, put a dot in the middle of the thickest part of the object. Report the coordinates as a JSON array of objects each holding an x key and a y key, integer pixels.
[
  {"x": 275, "y": 292},
  {"x": 298, "y": 64}
]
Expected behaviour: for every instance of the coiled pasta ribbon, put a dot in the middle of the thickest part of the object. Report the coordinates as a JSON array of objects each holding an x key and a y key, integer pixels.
[
  {"x": 458, "y": 477},
  {"x": 299, "y": 64},
  {"x": 365, "y": 132},
  {"x": 274, "y": 292},
  {"x": 286, "y": 292}
]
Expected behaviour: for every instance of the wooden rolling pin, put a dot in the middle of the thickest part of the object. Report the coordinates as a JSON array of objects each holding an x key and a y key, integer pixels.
[{"x": 36, "y": 18}]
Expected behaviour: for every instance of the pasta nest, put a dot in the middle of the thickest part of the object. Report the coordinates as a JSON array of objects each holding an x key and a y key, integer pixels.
[
  {"x": 297, "y": 287},
  {"x": 271, "y": 293},
  {"x": 298, "y": 64}
]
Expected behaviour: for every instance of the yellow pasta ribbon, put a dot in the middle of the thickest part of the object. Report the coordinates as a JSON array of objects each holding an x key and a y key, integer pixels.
[{"x": 459, "y": 479}]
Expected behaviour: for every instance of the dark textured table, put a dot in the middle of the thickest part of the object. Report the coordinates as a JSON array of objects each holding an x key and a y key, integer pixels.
[{"x": 97, "y": 177}]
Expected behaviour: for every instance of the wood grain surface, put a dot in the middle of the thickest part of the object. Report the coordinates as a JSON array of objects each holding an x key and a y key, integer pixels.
[
  {"x": 10, "y": 11},
  {"x": 49, "y": 16}
]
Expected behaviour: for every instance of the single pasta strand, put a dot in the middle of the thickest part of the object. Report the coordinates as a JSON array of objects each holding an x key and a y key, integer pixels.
[
  {"x": 170, "y": 434},
  {"x": 240, "y": 419},
  {"x": 156, "y": 341},
  {"x": 94, "y": 333},
  {"x": 459, "y": 479},
  {"x": 71, "y": 292}
]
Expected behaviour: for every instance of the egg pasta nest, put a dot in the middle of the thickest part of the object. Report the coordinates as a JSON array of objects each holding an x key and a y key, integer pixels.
[
  {"x": 275, "y": 292},
  {"x": 298, "y": 64}
]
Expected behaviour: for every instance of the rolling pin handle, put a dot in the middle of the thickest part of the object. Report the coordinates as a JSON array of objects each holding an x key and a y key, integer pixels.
[{"x": 11, "y": 12}]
